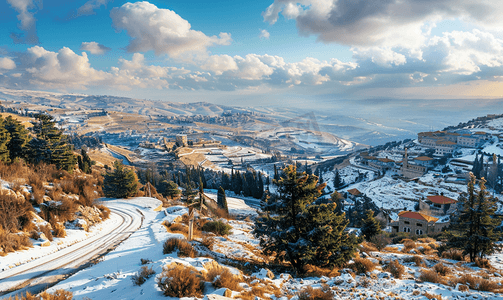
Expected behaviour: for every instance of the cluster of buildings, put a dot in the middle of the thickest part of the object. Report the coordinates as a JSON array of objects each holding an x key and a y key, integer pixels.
[{"x": 445, "y": 142}]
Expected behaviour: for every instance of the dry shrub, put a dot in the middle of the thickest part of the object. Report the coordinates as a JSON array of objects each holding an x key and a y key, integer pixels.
[
  {"x": 483, "y": 263},
  {"x": 58, "y": 295},
  {"x": 426, "y": 240},
  {"x": 140, "y": 277},
  {"x": 221, "y": 213},
  {"x": 362, "y": 265},
  {"x": 430, "y": 276},
  {"x": 367, "y": 247},
  {"x": 34, "y": 235},
  {"x": 217, "y": 227},
  {"x": 14, "y": 171},
  {"x": 181, "y": 281},
  {"x": 59, "y": 230},
  {"x": 184, "y": 248},
  {"x": 208, "y": 241},
  {"x": 145, "y": 261},
  {"x": 380, "y": 241},
  {"x": 46, "y": 230},
  {"x": 415, "y": 259},
  {"x": 442, "y": 269},
  {"x": 11, "y": 242},
  {"x": 432, "y": 296},
  {"x": 60, "y": 210},
  {"x": 395, "y": 268},
  {"x": 104, "y": 211},
  {"x": 223, "y": 278},
  {"x": 310, "y": 293},
  {"x": 463, "y": 288},
  {"x": 314, "y": 271},
  {"x": 453, "y": 254},
  {"x": 487, "y": 285},
  {"x": 177, "y": 228},
  {"x": 14, "y": 212},
  {"x": 408, "y": 245}
]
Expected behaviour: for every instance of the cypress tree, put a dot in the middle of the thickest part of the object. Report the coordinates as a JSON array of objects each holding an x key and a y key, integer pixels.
[
  {"x": 338, "y": 182},
  {"x": 19, "y": 138},
  {"x": 222, "y": 199},
  {"x": 301, "y": 232}
]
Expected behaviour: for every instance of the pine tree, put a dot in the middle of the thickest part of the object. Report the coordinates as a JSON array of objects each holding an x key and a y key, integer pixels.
[
  {"x": 85, "y": 163},
  {"x": 475, "y": 168},
  {"x": 473, "y": 231},
  {"x": 121, "y": 182},
  {"x": 338, "y": 182},
  {"x": 19, "y": 138},
  {"x": 169, "y": 189},
  {"x": 301, "y": 232},
  {"x": 4, "y": 139},
  {"x": 222, "y": 199},
  {"x": 371, "y": 227}
]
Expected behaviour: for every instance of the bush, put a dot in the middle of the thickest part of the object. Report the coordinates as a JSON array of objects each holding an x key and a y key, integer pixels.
[
  {"x": 58, "y": 295},
  {"x": 395, "y": 268},
  {"x": 217, "y": 227},
  {"x": 310, "y": 293},
  {"x": 46, "y": 230},
  {"x": 483, "y": 263},
  {"x": 223, "y": 278},
  {"x": 380, "y": 241},
  {"x": 104, "y": 211},
  {"x": 430, "y": 276},
  {"x": 441, "y": 269},
  {"x": 59, "y": 230},
  {"x": 140, "y": 277},
  {"x": 181, "y": 281},
  {"x": 453, "y": 254},
  {"x": 184, "y": 248},
  {"x": 415, "y": 259},
  {"x": 10, "y": 242},
  {"x": 362, "y": 265},
  {"x": 145, "y": 261},
  {"x": 408, "y": 245}
]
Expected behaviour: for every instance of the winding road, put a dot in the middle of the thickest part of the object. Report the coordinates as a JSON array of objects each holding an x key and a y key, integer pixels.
[{"x": 39, "y": 274}]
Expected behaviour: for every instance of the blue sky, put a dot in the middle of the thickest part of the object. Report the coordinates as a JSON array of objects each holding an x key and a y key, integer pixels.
[{"x": 255, "y": 52}]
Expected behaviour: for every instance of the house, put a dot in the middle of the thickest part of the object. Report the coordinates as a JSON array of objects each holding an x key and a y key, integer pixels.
[
  {"x": 438, "y": 204},
  {"x": 353, "y": 194},
  {"x": 424, "y": 161},
  {"x": 444, "y": 147},
  {"x": 410, "y": 171},
  {"x": 417, "y": 223}
]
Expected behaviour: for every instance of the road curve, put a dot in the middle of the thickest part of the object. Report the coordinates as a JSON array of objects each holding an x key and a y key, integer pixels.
[{"x": 39, "y": 274}]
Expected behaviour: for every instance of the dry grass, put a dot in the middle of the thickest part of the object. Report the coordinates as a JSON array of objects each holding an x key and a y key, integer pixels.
[
  {"x": 483, "y": 263},
  {"x": 442, "y": 269},
  {"x": 432, "y": 296},
  {"x": 478, "y": 283},
  {"x": 408, "y": 245},
  {"x": 46, "y": 230},
  {"x": 145, "y": 261},
  {"x": 395, "y": 268},
  {"x": 453, "y": 254},
  {"x": 184, "y": 248},
  {"x": 380, "y": 241},
  {"x": 11, "y": 242},
  {"x": 431, "y": 276},
  {"x": 367, "y": 247},
  {"x": 208, "y": 241},
  {"x": 314, "y": 271},
  {"x": 141, "y": 277},
  {"x": 181, "y": 281},
  {"x": 415, "y": 259},
  {"x": 362, "y": 265},
  {"x": 59, "y": 230},
  {"x": 310, "y": 293},
  {"x": 223, "y": 278},
  {"x": 58, "y": 295}
]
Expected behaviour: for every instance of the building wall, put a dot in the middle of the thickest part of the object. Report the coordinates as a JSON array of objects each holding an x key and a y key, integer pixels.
[{"x": 418, "y": 227}]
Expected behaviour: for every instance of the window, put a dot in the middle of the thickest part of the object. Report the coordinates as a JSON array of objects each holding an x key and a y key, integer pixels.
[
  {"x": 406, "y": 222},
  {"x": 419, "y": 231},
  {"x": 419, "y": 225},
  {"x": 406, "y": 229}
]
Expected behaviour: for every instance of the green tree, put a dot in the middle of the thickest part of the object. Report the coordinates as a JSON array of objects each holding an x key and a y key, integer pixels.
[
  {"x": 222, "y": 199},
  {"x": 84, "y": 162},
  {"x": 371, "y": 227},
  {"x": 473, "y": 230},
  {"x": 19, "y": 138},
  {"x": 300, "y": 232},
  {"x": 121, "y": 182},
  {"x": 170, "y": 189},
  {"x": 4, "y": 139},
  {"x": 338, "y": 182}
]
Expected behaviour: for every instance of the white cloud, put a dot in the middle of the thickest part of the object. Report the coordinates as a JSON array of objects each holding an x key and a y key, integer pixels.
[
  {"x": 161, "y": 30},
  {"x": 392, "y": 23},
  {"x": 219, "y": 64},
  {"x": 89, "y": 7},
  {"x": 94, "y": 48},
  {"x": 28, "y": 22},
  {"x": 264, "y": 34},
  {"x": 7, "y": 63},
  {"x": 383, "y": 57}
]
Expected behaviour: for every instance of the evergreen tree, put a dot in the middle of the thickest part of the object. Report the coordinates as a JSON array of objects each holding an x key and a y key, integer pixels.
[
  {"x": 222, "y": 199},
  {"x": 169, "y": 189},
  {"x": 371, "y": 227},
  {"x": 4, "y": 139},
  {"x": 473, "y": 231},
  {"x": 85, "y": 163},
  {"x": 338, "y": 182},
  {"x": 475, "y": 168},
  {"x": 301, "y": 232},
  {"x": 19, "y": 138},
  {"x": 337, "y": 199},
  {"x": 121, "y": 182}
]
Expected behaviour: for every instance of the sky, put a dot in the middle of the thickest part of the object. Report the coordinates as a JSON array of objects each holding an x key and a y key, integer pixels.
[{"x": 255, "y": 52}]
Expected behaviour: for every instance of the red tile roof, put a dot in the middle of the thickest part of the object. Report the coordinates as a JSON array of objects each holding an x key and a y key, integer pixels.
[
  {"x": 423, "y": 158},
  {"x": 417, "y": 216},
  {"x": 354, "y": 192},
  {"x": 439, "y": 199}
]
